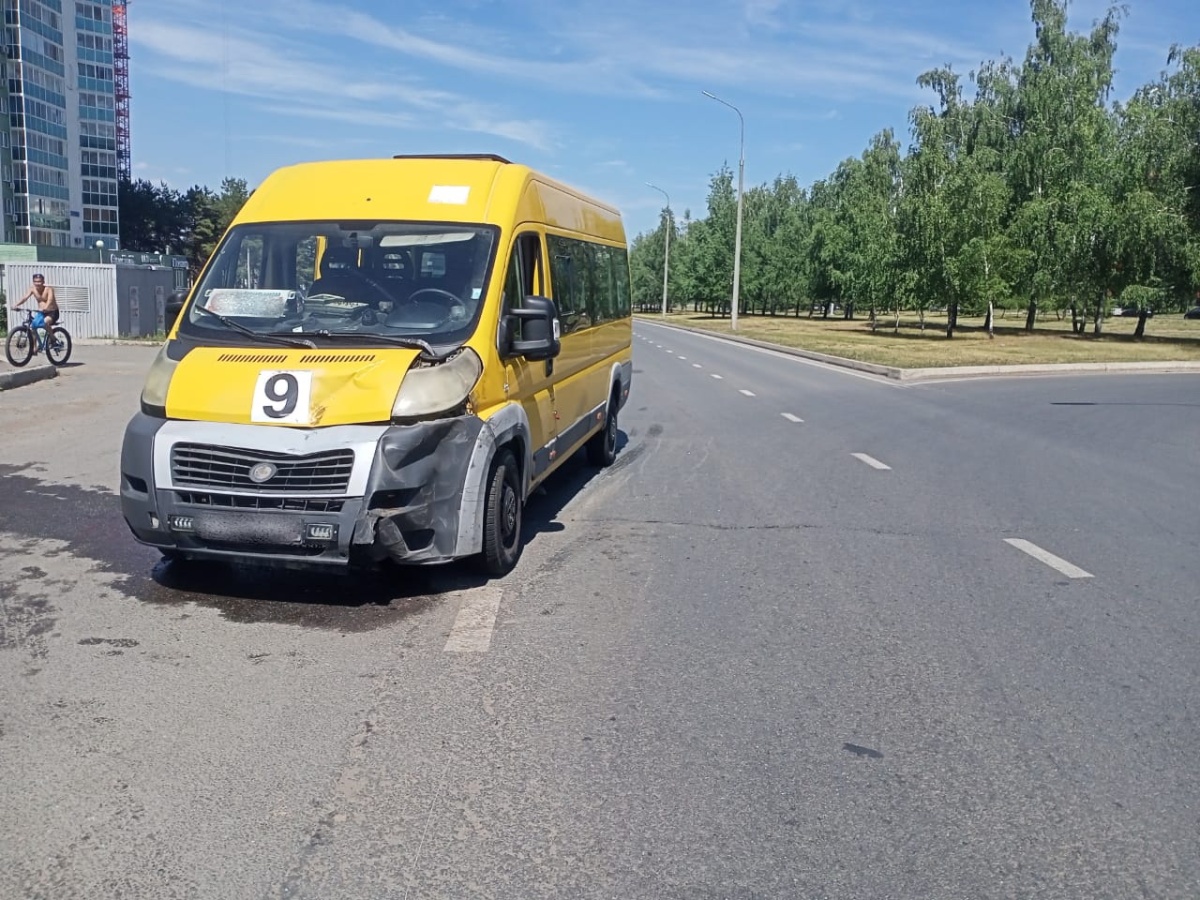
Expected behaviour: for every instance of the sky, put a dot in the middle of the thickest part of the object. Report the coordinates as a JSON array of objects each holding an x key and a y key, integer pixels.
[{"x": 605, "y": 96}]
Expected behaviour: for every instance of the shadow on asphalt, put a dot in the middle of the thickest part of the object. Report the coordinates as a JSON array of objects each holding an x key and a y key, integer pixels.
[
  {"x": 90, "y": 523},
  {"x": 351, "y": 600}
]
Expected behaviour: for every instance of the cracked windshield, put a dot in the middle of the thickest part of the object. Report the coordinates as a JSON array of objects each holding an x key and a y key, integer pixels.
[{"x": 366, "y": 278}]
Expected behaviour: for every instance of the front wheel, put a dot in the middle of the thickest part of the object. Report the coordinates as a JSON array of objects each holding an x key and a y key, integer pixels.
[
  {"x": 502, "y": 517},
  {"x": 19, "y": 346},
  {"x": 58, "y": 346},
  {"x": 602, "y": 448}
]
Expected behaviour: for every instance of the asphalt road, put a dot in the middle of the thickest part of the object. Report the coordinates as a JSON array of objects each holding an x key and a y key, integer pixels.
[{"x": 744, "y": 662}]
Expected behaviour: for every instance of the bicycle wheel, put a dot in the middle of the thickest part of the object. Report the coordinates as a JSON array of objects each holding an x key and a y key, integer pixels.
[
  {"x": 58, "y": 345},
  {"x": 19, "y": 346}
]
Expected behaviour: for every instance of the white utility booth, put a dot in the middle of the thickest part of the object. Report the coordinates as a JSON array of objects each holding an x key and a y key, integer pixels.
[{"x": 97, "y": 301}]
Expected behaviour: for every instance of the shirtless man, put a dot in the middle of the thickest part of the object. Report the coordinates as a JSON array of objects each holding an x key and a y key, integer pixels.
[{"x": 47, "y": 314}]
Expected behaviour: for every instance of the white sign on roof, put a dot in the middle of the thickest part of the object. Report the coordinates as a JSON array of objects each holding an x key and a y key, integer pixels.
[{"x": 449, "y": 193}]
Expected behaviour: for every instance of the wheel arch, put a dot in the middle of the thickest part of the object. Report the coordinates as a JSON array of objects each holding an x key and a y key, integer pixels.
[{"x": 508, "y": 427}]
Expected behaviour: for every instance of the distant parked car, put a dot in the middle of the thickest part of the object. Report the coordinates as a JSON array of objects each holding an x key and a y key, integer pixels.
[
  {"x": 1193, "y": 313},
  {"x": 174, "y": 306},
  {"x": 1131, "y": 312}
]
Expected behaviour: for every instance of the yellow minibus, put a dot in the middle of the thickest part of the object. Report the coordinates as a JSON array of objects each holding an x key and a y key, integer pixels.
[{"x": 380, "y": 361}]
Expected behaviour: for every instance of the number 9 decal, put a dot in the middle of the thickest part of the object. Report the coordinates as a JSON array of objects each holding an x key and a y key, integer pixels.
[{"x": 282, "y": 397}]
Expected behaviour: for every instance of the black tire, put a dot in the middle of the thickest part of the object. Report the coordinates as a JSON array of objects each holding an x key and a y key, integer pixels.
[
  {"x": 58, "y": 346},
  {"x": 602, "y": 448},
  {"x": 19, "y": 346},
  {"x": 502, "y": 517}
]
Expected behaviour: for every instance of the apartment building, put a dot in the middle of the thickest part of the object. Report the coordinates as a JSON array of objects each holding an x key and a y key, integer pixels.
[{"x": 64, "y": 93}]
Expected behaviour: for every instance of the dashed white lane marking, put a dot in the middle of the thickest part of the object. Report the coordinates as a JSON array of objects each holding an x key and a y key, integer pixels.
[
  {"x": 472, "y": 631},
  {"x": 718, "y": 377},
  {"x": 746, "y": 393},
  {"x": 697, "y": 366},
  {"x": 1054, "y": 562},
  {"x": 683, "y": 357},
  {"x": 871, "y": 461},
  {"x": 878, "y": 379},
  {"x": 792, "y": 418}
]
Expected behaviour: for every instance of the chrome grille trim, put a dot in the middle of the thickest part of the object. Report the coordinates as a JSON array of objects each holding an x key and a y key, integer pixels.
[{"x": 203, "y": 465}]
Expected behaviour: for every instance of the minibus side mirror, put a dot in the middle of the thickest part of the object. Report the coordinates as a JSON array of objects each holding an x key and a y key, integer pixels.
[{"x": 539, "y": 329}]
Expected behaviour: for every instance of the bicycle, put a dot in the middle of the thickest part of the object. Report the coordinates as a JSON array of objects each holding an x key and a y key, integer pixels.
[{"x": 24, "y": 342}]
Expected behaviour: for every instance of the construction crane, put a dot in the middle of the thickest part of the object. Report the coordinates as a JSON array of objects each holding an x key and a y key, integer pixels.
[{"x": 120, "y": 27}]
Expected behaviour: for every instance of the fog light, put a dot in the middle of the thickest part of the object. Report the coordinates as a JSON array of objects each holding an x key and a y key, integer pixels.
[
  {"x": 319, "y": 531},
  {"x": 154, "y": 523},
  {"x": 180, "y": 523}
]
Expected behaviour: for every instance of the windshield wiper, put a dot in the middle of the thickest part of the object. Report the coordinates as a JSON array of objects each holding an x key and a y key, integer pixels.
[
  {"x": 257, "y": 335},
  {"x": 425, "y": 347}
]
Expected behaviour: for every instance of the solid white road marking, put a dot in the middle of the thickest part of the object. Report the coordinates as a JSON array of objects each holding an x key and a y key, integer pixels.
[
  {"x": 746, "y": 392},
  {"x": 1054, "y": 562},
  {"x": 472, "y": 631},
  {"x": 792, "y": 418},
  {"x": 871, "y": 461},
  {"x": 718, "y": 377}
]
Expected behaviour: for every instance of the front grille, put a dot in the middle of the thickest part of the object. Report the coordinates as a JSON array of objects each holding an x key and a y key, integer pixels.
[
  {"x": 257, "y": 501},
  {"x": 229, "y": 467}
]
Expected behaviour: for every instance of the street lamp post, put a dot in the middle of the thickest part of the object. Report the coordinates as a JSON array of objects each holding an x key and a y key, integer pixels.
[
  {"x": 100, "y": 250},
  {"x": 737, "y": 240},
  {"x": 666, "y": 244}
]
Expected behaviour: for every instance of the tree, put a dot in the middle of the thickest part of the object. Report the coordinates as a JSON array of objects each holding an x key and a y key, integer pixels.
[
  {"x": 153, "y": 219},
  {"x": 1035, "y": 189}
]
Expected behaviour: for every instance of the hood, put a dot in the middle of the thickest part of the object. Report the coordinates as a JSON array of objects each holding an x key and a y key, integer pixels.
[{"x": 297, "y": 388}]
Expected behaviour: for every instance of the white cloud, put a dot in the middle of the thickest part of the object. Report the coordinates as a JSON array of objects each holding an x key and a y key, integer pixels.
[{"x": 289, "y": 81}]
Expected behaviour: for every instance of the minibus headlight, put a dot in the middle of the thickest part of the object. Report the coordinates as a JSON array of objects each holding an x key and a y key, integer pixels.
[
  {"x": 437, "y": 389},
  {"x": 158, "y": 381}
]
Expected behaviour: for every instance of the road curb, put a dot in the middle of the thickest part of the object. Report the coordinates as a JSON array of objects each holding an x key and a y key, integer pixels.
[
  {"x": 932, "y": 373},
  {"x": 21, "y": 377},
  {"x": 117, "y": 342}
]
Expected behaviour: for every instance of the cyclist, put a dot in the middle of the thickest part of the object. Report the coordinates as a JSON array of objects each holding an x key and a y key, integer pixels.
[{"x": 47, "y": 315}]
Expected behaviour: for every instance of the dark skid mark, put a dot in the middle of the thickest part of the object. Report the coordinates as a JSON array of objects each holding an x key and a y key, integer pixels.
[
  {"x": 90, "y": 523},
  {"x": 627, "y": 456},
  {"x": 112, "y": 642},
  {"x": 862, "y": 751},
  {"x": 346, "y": 601}
]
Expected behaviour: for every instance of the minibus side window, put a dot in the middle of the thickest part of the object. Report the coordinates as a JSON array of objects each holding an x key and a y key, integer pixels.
[
  {"x": 621, "y": 269},
  {"x": 523, "y": 277},
  {"x": 564, "y": 284},
  {"x": 605, "y": 289},
  {"x": 306, "y": 263},
  {"x": 250, "y": 260}
]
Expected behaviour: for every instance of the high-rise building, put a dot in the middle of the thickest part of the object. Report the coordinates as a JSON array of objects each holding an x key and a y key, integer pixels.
[{"x": 62, "y": 118}]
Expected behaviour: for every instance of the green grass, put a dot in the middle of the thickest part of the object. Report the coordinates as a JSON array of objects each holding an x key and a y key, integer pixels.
[{"x": 1169, "y": 338}]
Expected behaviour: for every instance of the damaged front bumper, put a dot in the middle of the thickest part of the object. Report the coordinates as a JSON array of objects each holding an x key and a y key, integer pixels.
[{"x": 336, "y": 496}]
